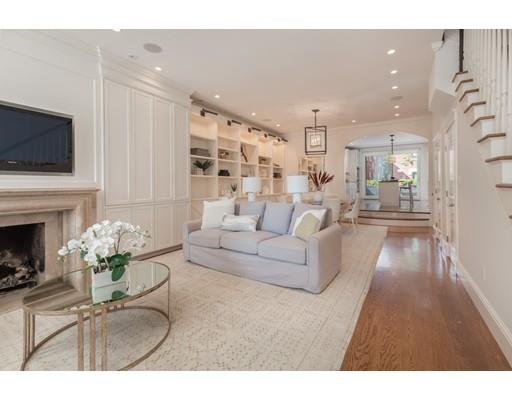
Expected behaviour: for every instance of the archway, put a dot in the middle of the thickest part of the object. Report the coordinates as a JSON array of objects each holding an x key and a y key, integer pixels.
[{"x": 399, "y": 157}]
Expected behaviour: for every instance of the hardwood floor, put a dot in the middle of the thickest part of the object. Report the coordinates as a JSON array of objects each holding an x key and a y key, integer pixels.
[{"x": 418, "y": 316}]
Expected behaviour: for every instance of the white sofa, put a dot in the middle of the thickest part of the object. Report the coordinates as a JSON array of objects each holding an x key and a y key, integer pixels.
[{"x": 271, "y": 254}]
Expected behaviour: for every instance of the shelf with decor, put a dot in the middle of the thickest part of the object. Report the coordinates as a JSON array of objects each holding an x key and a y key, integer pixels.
[{"x": 234, "y": 151}]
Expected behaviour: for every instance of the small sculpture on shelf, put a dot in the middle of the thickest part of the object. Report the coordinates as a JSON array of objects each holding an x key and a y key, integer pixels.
[{"x": 202, "y": 166}]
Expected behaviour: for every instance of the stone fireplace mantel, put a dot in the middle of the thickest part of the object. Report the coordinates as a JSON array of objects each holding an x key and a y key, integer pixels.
[{"x": 65, "y": 212}]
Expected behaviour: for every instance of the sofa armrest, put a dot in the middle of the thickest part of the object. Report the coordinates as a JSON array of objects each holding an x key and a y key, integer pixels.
[
  {"x": 189, "y": 227},
  {"x": 324, "y": 257}
]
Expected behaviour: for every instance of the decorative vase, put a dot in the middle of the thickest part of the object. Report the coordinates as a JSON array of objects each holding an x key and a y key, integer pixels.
[
  {"x": 109, "y": 284},
  {"x": 318, "y": 196}
]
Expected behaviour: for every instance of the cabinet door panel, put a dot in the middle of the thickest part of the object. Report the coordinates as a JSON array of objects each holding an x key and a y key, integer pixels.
[
  {"x": 142, "y": 139},
  {"x": 181, "y": 159},
  {"x": 181, "y": 214},
  {"x": 117, "y": 143},
  {"x": 144, "y": 216},
  {"x": 119, "y": 214},
  {"x": 164, "y": 228},
  {"x": 163, "y": 155}
]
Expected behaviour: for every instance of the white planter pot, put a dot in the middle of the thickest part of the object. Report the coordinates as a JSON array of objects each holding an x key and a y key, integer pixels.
[
  {"x": 318, "y": 196},
  {"x": 105, "y": 289}
]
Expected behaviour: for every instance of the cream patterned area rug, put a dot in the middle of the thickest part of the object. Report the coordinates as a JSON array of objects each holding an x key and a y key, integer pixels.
[{"x": 223, "y": 322}]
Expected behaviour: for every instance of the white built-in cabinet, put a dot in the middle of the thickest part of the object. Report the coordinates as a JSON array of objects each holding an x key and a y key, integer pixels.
[
  {"x": 146, "y": 163},
  {"x": 235, "y": 151}
]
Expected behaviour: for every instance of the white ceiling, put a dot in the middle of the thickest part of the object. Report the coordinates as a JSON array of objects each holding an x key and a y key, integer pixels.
[
  {"x": 400, "y": 138},
  {"x": 282, "y": 74}
]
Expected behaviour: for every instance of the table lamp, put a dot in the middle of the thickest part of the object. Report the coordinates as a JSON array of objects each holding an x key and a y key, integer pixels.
[
  {"x": 251, "y": 185},
  {"x": 296, "y": 185}
]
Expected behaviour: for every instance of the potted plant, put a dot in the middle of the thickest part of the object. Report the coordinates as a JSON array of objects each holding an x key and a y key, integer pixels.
[
  {"x": 234, "y": 188},
  {"x": 106, "y": 248},
  {"x": 202, "y": 166},
  {"x": 320, "y": 179}
]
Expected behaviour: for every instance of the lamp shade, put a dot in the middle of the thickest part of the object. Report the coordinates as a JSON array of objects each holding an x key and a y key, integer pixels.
[
  {"x": 251, "y": 184},
  {"x": 297, "y": 184}
]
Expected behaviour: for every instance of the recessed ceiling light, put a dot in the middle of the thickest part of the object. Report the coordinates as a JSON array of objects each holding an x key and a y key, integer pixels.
[
  {"x": 158, "y": 68},
  {"x": 116, "y": 30},
  {"x": 397, "y": 115},
  {"x": 278, "y": 125},
  {"x": 253, "y": 114},
  {"x": 397, "y": 107},
  {"x": 354, "y": 121},
  {"x": 393, "y": 72},
  {"x": 394, "y": 87},
  {"x": 217, "y": 96},
  {"x": 391, "y": 51},
  {"x": 152, "y": 47}
]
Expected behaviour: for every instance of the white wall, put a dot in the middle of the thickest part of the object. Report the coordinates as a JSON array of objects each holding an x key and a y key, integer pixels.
[
  {"x": 38, "y": 72},
  {"x": 484, "y": 230},
  {"x": 339, "y": 138}
]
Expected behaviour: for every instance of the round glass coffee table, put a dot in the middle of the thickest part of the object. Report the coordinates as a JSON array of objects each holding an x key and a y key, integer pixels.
[{"x": 58, "y": 297}]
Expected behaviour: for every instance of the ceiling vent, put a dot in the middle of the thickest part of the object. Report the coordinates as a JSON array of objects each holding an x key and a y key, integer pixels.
[{"x": 152, "y": 47}]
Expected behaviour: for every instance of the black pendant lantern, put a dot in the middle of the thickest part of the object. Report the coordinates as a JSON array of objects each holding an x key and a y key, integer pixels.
[{"x": 315, "y": 138}]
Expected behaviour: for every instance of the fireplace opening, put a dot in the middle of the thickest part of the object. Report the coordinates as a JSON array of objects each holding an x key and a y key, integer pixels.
[{"x": 21, "y": 256}]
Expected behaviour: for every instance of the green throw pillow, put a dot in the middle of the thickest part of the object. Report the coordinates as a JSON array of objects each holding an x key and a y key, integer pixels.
[{"x": 308, "y": 226}]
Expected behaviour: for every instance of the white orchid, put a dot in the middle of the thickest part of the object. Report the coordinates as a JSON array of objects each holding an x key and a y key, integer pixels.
[{"x": 105, "y": 239}]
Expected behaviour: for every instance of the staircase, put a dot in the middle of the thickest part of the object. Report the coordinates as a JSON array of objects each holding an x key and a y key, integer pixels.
[{"x": 484, "y": 90}]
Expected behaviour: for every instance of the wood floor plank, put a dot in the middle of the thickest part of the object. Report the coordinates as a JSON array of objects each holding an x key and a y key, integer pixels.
[{"x": 418, "y": 316}]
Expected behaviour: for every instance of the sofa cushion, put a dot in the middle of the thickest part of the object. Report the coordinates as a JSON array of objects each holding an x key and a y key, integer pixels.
[
  {"x": 213, "y": 212},
  {"x": 301, "y": 208},
  {"x": 206, "y": 238},
  {"x": 252, "y": 208},
  {"x": 244, "y": 242},
  {"x": 277, "y": 217},
  {"x": 284, "y": 248}
]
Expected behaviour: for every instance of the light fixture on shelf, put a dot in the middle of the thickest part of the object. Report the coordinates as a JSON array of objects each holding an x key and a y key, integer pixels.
[
  {"x": 251, "y": 185},
  {"x": 296, "y": 185}
]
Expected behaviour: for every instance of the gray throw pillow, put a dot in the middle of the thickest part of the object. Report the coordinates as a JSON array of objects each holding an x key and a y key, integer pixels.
[
  {"x": 253, "y": 208},
  {"x": 277, "y": 217}
]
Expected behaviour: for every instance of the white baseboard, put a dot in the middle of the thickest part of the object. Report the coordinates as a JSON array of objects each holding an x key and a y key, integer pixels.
[{"x": 499, "y": 330}]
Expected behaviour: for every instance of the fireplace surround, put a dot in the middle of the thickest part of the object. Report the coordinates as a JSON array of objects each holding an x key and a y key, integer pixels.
[{"x": 62, "y": 214}]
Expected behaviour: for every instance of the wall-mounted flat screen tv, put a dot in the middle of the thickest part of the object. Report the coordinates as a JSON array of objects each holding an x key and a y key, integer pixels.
[{"x": 34, "y": 141}]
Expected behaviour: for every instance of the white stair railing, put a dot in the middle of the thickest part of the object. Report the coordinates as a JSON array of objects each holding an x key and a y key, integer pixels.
[{"x": 488, "y": 58}]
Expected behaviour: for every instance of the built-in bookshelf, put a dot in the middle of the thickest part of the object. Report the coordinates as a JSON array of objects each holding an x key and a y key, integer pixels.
[
  {"x": 234, "y": 151},
  {"x": 311, "y": 164}
]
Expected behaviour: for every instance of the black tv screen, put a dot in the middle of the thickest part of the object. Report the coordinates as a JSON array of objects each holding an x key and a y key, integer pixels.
[{"x": 35, "y": 141}]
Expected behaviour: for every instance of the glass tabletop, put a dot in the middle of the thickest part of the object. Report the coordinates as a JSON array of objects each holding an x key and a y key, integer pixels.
[{"x": 61, "y": 296}]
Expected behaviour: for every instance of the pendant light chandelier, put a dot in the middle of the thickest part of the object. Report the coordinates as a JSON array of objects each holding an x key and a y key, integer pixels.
[
  {"x": 392, "y": 158},
  {"x": 315, "y": 138}
]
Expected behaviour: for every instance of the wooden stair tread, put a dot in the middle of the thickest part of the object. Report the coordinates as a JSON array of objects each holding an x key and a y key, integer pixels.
[
  {"x": 476, "y": 103},
  {"x": 504, "y": 185},
  {"x": 490, "y": 136},
  {"x": 457, "y": 74},
  {"x": 462, "y": 82},
  {"x": 485, "y": 117},
  {"x": 499, "y": 158},
  {"x": 468, "y": 92}
]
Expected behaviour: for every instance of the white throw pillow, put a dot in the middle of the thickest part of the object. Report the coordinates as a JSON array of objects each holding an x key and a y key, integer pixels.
[
  {"x": 213, "y": 212},
  {"x": 240, "y": 223},
  {"x": 317, "y": 213}
]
